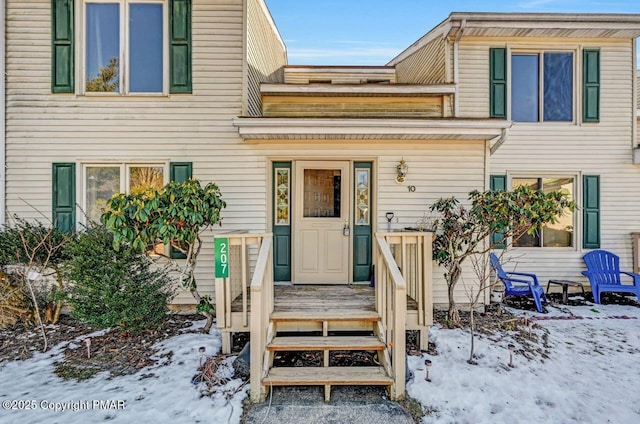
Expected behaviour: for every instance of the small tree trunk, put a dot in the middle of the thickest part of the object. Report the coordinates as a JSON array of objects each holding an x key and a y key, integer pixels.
[
  {"x": 58, "y": 302},
  {"x": 472, "y": 328},
  {"x": 454, "y": 275},
  {"x": 209, "y": 324},
  {"x": 35, "y": 305}
]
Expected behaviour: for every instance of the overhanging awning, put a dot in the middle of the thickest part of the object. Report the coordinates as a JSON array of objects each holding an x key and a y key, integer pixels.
[{"x": 363, "y": 130}]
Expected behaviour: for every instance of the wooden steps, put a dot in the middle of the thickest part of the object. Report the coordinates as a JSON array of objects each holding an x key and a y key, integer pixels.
[
  {"x": 327, "y": 315},
  {"x": 315, "y": 376},
  {"x": 348, "y": 320},
  {"x": 326, "y": 343}
]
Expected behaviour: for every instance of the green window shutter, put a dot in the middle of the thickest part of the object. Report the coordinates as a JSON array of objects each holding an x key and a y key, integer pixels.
[
  {"x": 498, "y": 82},
  {"x": 497, "y": 182},
  {"x": 64, "y": 196},
  {"x": 180, "y": 172},
  {"x": 591, "y": 85},
  {"x": 180, "y": 46},
  {"x": 591, "y": 211},
  {"x": 62, "y": 46}
]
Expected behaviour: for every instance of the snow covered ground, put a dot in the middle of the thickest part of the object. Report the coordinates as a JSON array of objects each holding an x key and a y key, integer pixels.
[
  {"x": 168, "y": 396},
  {"x": 591, "y": 375}
]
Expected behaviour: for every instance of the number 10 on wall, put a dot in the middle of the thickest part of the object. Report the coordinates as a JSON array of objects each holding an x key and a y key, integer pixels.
[{"x": 221, "y": 247}]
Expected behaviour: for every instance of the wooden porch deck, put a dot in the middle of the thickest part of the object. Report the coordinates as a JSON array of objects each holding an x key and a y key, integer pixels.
[{"x": 321, "y": 298}]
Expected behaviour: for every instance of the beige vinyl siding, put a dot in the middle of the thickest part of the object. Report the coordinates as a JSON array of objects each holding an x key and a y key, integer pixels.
[
  {"x": 352, "y": 106},
  {"x": 638, "y": 89},
  {"x": 425, "y": 66},
  {"x": 266, "y": 54},
  {"x": 436, "y": 169},
  {"x": 558, "y": 149},
  {"x": 43, "y": 128},
  {"x": 339, "y": 75}
]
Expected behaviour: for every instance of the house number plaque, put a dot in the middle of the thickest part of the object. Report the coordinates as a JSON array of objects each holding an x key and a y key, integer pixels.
[{"x": 221, "y": 246}]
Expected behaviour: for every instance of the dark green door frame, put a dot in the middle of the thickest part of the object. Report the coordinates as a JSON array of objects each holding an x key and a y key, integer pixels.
[{"x": 362, "y": 221}]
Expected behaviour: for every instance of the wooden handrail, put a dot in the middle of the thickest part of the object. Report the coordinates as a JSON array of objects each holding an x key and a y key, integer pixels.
[
  {"x": 237, "y": 284},
  {"x": 261, "y": 309},
  {"x": 391, "y": 300}
]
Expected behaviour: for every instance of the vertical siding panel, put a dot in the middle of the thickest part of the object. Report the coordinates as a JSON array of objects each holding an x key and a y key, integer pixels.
[
  {"x": 425, "y": 66},
  {"x": 266, "y": 55}
]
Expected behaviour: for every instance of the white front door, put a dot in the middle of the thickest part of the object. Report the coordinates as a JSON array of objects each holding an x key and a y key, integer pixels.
[{"x": 321, "y": 214}]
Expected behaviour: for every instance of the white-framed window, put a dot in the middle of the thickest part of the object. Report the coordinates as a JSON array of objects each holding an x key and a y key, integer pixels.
[
  {"x": 561, "y": 233},
  {"x": 124, "y": 46},
  {"x": 100, "y": 181},
  {"x": 543, "y": 87}
]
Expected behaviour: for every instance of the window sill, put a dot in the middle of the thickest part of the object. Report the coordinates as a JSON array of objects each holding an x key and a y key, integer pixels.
[
  {"x": 122, "y": 96},
  {"x": 554, "y": 123}
]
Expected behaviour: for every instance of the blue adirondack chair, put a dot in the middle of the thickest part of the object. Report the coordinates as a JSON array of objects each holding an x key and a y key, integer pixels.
[
  {"x": 603, "y": 271},
  {"x": 520, "y": 283}
]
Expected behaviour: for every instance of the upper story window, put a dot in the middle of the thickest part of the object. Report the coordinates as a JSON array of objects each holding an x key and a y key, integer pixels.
[
  {"x": 125, "y": 46},
  {"x": 121, "y": 46},
  {"x": 542, "y": 87},
  {"x": 559, "y": 234}
]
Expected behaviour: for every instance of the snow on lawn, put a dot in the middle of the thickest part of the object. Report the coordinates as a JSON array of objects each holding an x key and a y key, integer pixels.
[
  {"x": 592, "y": 374},
  {"x": 167, "y": 396}
]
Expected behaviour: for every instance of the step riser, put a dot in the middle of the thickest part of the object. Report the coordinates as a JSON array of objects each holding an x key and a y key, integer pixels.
[
  {"x": 297, "y": 326},
  {"x": 333, "y": 343}
]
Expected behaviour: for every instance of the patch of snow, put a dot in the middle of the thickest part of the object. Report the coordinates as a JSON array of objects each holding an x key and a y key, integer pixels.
[
  {"x": 158, "y": 394},
  {"x": 591, "y": 375}
]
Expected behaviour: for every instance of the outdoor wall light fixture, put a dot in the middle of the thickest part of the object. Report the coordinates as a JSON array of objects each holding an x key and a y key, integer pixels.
[{"x": 402, "y": 169}]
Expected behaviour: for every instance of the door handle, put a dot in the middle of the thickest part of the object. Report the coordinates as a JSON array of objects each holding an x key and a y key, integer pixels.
[{"x": 346, "y": 230}]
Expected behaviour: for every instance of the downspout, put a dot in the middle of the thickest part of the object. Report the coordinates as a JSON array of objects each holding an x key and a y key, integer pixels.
[
  {"x": 501, "y": 139},
  {"x": 245, "y": 59},
  {"x": 3, "y": 73},
  {"x": 634, "y": 104},
  {"x": 456, "y": 75}
]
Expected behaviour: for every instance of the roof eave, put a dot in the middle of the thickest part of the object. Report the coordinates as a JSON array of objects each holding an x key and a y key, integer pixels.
[{"x": 371, "y": 129}]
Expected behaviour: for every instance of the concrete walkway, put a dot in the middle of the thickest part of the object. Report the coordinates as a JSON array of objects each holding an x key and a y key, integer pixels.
[{"x": 349, "y": 405}]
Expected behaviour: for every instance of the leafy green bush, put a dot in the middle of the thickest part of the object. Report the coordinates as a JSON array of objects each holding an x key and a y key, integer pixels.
[{"x": 115, "y": 288}]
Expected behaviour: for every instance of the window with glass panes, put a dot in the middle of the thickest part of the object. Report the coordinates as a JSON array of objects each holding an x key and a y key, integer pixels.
[
  {"x": 102, "y": 181},
  {"x": 542, "y": 87},
  {"x": 124, "y": 46},
  {"x": 560, "y": 233}
]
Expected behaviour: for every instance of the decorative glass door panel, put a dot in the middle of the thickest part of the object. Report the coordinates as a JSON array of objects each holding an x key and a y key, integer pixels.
[
  {"x": 362, "y": 234},
  {"x": 322, "y": 193}
]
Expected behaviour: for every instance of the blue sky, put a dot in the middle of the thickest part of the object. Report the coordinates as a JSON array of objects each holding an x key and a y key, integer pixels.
[{"x": 371, "y": 32}]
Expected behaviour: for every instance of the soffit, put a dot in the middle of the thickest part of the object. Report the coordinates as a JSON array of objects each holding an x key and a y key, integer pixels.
[{"x": 366, "y": 130}]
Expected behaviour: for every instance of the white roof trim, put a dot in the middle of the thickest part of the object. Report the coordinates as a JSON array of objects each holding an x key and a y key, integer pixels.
[
  {"x": 439, "y": 31},
  {"x": 358, "y": 89},
  {"x": 283, "y": 128},
  {"x": 570, "y": 21}
]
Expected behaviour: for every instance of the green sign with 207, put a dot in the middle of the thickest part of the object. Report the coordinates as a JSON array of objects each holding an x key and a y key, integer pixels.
[{"x": 221, "y": 246}]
